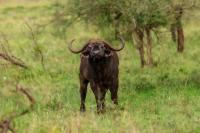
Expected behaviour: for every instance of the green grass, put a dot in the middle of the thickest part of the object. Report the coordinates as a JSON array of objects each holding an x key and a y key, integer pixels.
[{"x": 162, "y": 99}]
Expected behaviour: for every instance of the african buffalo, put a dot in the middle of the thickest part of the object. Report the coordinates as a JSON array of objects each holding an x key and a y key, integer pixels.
[{"x": 99, "y": 67}]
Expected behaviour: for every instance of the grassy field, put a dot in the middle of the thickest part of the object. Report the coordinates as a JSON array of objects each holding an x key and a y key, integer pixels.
[{"x": 163, "y": 99}]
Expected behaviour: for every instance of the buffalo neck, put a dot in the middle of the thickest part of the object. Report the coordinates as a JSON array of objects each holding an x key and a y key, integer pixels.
[{"x": 100, "y": 65}]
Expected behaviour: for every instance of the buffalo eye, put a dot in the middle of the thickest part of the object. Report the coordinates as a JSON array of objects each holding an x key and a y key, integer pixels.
[
  {"x": 85, "y": 53},
  {"x": 107, "y": 51},
  {"x": 102, "y": 47},
  {"x": 90, "y": 46}
]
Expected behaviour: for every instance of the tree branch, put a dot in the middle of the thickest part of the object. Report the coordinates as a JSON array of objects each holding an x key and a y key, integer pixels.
[
  {"x": 5, "y": 124},
  {"x": 36, "y": 45}
]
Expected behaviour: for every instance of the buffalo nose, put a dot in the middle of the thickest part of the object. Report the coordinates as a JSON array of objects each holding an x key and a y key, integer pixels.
[{"x": 96, "y": 51}]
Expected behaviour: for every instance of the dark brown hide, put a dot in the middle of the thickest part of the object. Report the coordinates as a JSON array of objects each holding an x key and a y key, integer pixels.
[{"x": 101, "y": 73}]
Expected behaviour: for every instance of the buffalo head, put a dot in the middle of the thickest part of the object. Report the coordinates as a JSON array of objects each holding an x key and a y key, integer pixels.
[{"x": 96, "y": 49}]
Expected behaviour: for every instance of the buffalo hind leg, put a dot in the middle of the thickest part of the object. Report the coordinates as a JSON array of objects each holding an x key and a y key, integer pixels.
[{"x": 83, "y": 92}]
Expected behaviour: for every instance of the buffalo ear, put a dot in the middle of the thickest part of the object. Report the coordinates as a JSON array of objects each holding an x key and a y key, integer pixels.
[
  {"x": 108, "y": 52},
  {"x": 85, "y": 54}
]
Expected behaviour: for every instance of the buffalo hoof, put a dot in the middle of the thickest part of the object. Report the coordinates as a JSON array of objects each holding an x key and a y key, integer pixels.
[
  {"x": 82, "y": 109},
  {"x": 101, "y": 111}
]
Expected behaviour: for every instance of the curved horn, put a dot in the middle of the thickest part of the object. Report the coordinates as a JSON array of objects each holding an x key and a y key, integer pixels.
[
  {"x": 117, "y": 49},
  {"x": 74, "y": 51}
]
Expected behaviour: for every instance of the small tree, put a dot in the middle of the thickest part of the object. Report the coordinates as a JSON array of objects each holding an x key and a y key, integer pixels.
[
  {"x": 145, "y": 18},
  {"x": 176, "y": 12}
]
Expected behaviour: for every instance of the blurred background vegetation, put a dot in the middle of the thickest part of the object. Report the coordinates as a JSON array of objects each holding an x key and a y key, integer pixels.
[{"x": 162, "y": 37}]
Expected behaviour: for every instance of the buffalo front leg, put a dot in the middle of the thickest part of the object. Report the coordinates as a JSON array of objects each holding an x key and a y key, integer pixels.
[
  {"x": 100, "y": 97},
  {"x": 101, "y": 100},
  {"x": 83, "y": 92}
]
